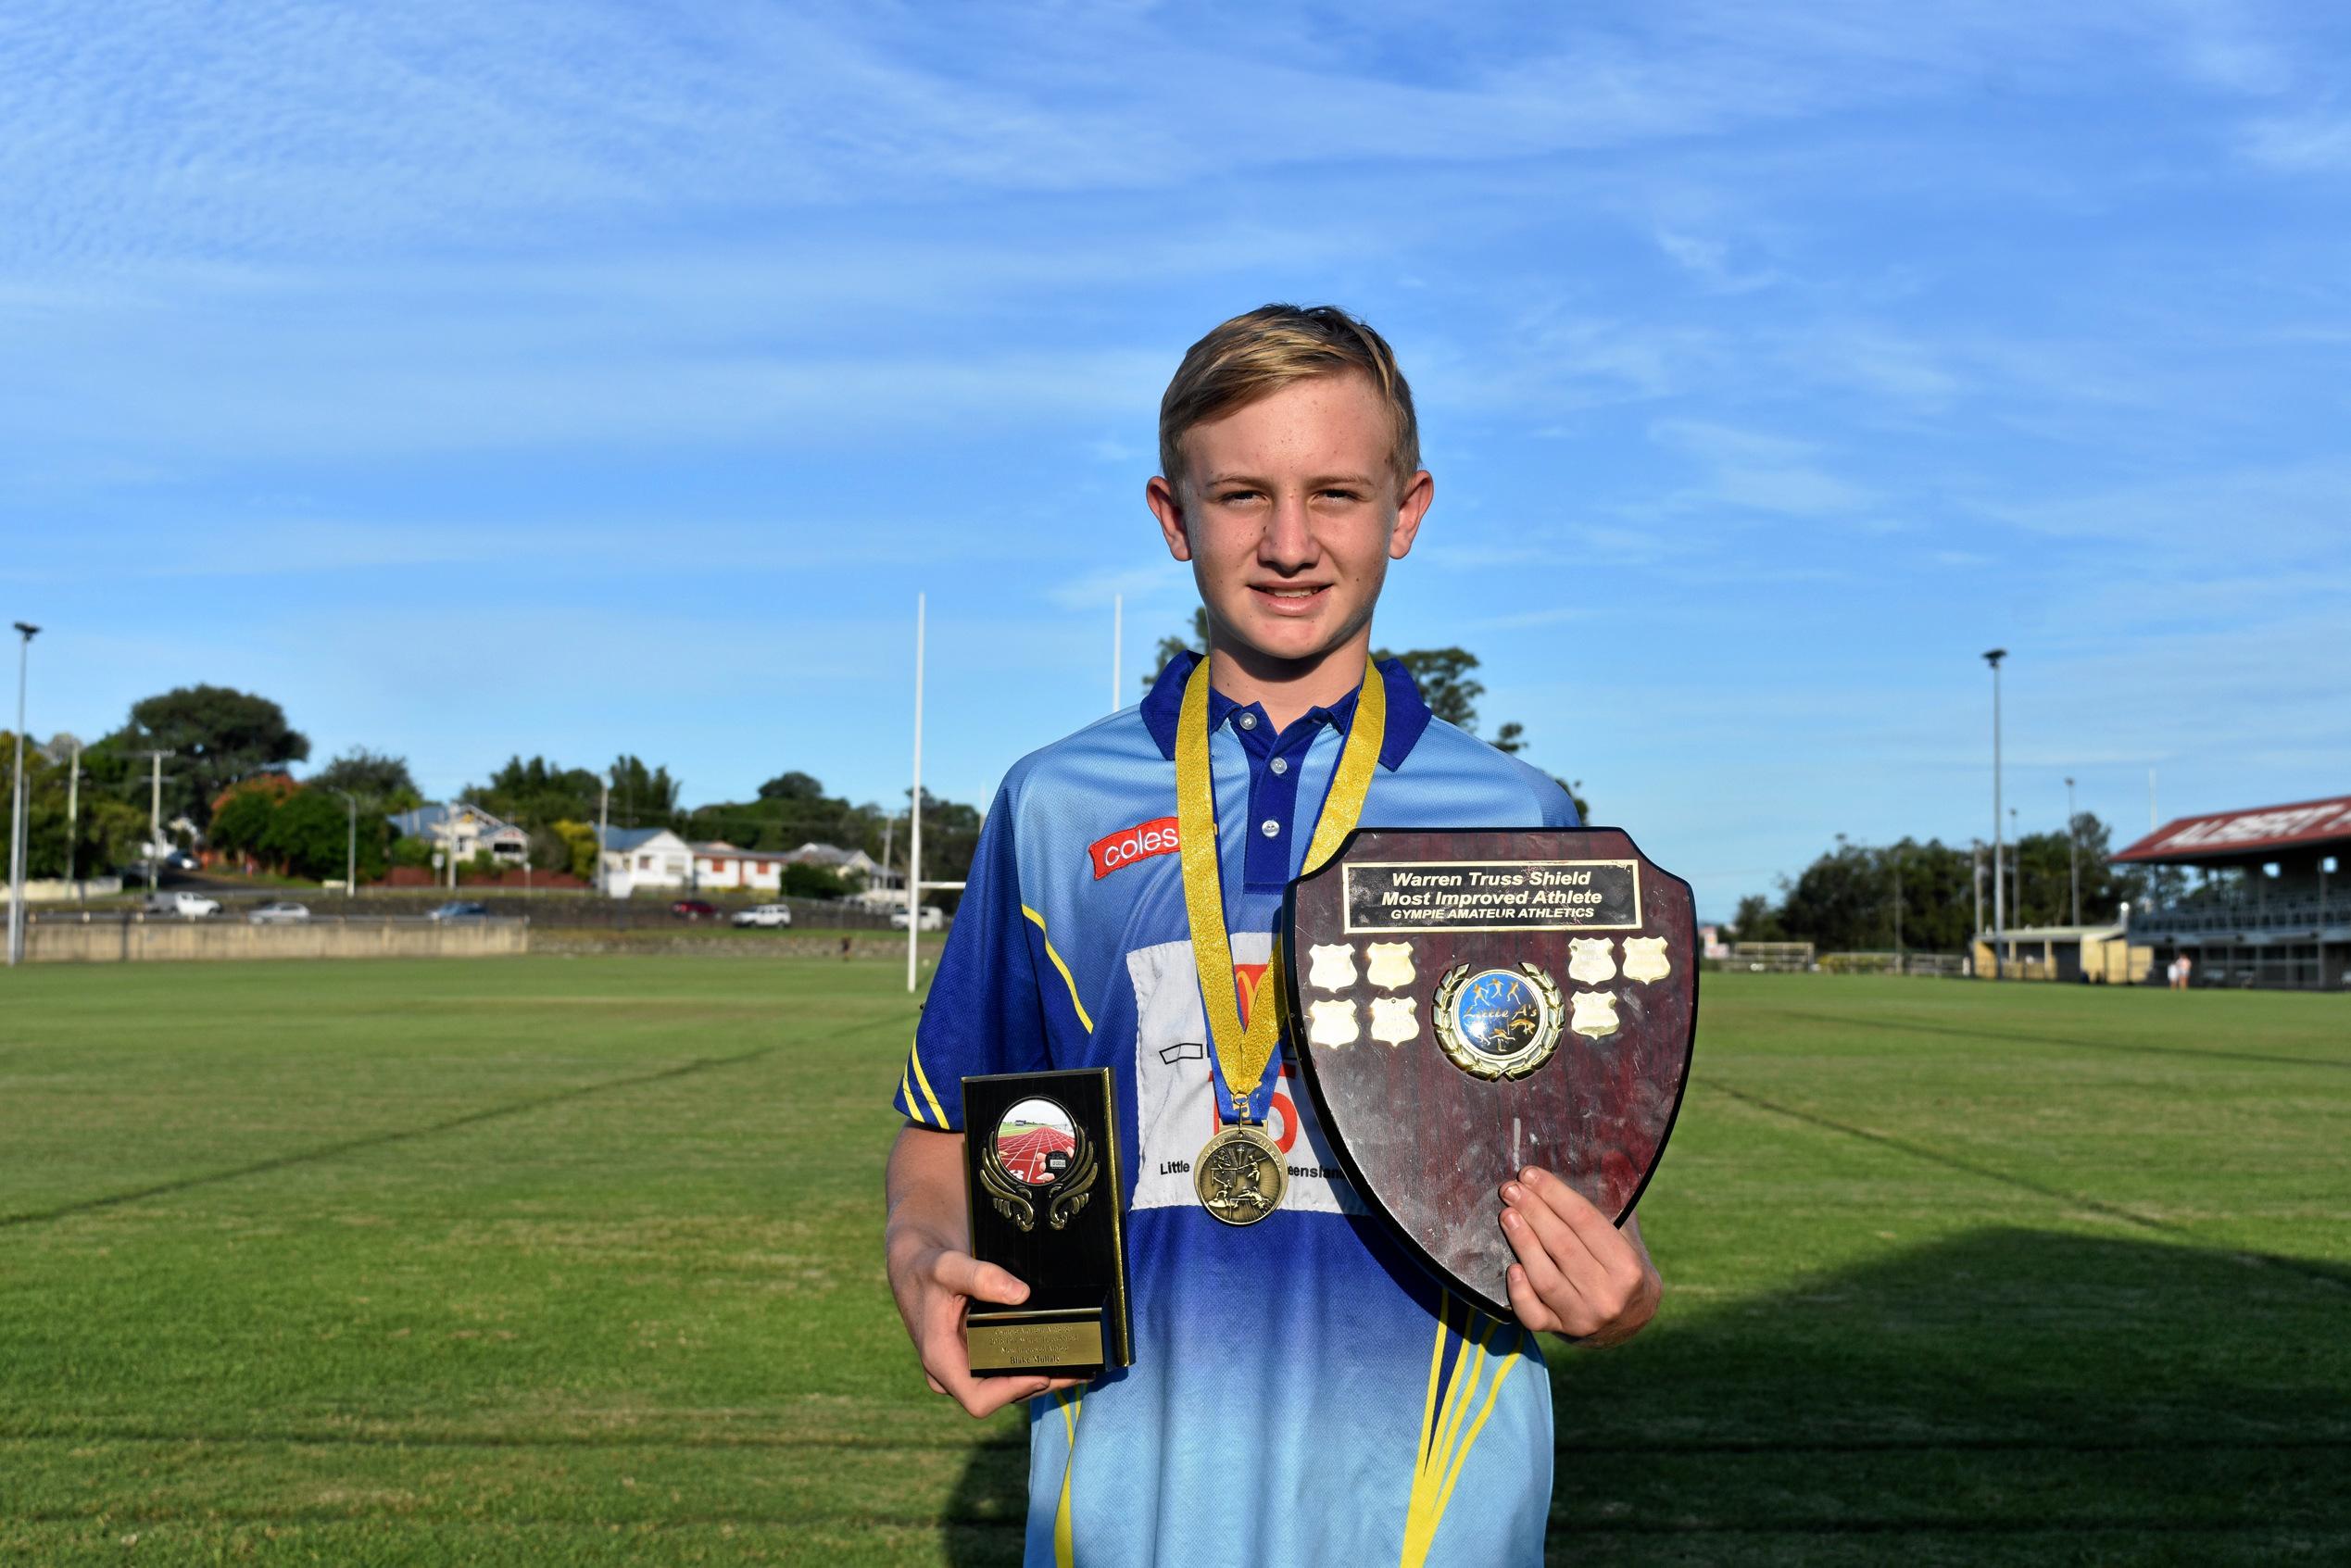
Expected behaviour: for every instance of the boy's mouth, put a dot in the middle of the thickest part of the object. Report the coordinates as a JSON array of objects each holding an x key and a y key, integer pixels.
[{"x": 1290, "y": 599}]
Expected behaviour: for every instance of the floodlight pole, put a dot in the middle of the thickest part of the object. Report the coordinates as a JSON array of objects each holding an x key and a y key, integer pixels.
[
  {"x": 351, "y": 848},
  {"x": 914, "y": 808},
  {"x": 2073, "y": 854},
  {"x": 1999, "y": 908},
  {"x": 603, "y": 832},
  {"x": 73, "y": 825},
  {"x": 18, "y": 837}
]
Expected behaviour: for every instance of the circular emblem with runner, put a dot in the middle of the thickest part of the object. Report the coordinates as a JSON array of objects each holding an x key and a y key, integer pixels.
[
  {"x": 1038, "y": 1154},
  {"x": 1498, "y": 1022},
  {"x": 1239, "y": 1175}
]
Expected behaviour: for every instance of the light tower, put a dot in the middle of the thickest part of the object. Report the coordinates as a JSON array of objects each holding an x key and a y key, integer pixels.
[{"x": 1999, "y": 902}]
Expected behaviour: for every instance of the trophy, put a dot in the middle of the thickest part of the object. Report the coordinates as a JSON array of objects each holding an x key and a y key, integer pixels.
[
  {"x": 1466, "y": 1004},
  {"x": 1041, "y": 1163}
]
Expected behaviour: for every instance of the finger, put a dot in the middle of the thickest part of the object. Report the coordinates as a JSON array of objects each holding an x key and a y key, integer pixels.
[
  {"x": 1535, "y": 1262},
  {"x": 966, "y": 1275},
  {"x": 1603, "y": 1239},
  {"x": 1620, "y": 1260},
  {"x": 1581, "y": 1272},
  {"x": 985, "y": 1396},
  {"x": 1527, "y": 1306}
]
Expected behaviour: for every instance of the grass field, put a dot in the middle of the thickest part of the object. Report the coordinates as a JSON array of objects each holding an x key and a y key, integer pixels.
[{"x": 575, "y": 1260}]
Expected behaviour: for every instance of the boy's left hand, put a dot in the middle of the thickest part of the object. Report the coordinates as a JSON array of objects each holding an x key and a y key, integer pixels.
[{"x": 1576, "y": 1274}]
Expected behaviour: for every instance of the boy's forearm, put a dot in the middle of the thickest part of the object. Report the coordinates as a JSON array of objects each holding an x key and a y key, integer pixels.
[{"x": 924, "y": 1189}]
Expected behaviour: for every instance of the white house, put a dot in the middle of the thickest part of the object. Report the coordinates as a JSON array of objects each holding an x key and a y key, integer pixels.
[
  {"x": 634, "y": 858},
  {"x": 466, "y": 829},
  {"x": 719, "y": 864}
]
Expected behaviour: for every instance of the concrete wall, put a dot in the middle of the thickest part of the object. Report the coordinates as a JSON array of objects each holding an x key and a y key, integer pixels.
[
  {"x": 117, "y": 941},
  {"x": 57, "y": 890}
]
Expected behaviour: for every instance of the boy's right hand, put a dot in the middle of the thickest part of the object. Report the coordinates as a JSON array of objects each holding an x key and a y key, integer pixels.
[{"x": 933, "y": 1285}]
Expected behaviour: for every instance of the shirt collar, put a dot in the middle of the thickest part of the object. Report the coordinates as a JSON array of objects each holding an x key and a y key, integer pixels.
[{"x": 1408, "y": 716}]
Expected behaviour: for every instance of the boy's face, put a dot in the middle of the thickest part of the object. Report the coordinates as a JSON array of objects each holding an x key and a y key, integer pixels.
[{"x": 1290, "y": 511}]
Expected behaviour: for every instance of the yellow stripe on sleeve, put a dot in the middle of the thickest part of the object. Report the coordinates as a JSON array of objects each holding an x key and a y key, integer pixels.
[
  {"x": 906, "y": 1093},
  {"x": 1067, "y": 978},
  {"x": 1064, "y": 1550},
  {"x": 915, "y": 1055}
]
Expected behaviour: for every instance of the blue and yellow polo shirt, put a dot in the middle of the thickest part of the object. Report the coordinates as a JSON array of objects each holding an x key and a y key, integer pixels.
[{"x": 1302, "y": 1393}]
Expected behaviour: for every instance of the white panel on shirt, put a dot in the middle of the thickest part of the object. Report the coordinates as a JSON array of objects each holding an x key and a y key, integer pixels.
[{"x": 1174, "y": 1091}]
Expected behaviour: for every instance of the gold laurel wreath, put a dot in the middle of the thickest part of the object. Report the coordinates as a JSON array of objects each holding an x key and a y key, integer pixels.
[{"x": 1477, "y": 1063}]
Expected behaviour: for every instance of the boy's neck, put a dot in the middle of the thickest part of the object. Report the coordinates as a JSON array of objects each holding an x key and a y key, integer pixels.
[{"x": 1286, "y": 689}]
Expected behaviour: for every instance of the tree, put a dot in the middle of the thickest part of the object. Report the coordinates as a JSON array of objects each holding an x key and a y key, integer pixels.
[
  {"x": 218, "y": 736},
  {"x": 801, "y": 879},
  {"x": 793, "y": 786},
  {"x": 579, "y": 839},
  {"x": 108, "y": 832},
  {"x": 310, "y": 835},
  {"x": 1757, "y": 920},
  {"x": 642, "y": 796},
  {"x": 538, "y": 794},
  {"x": 379, "y": 779},
  {"x": 244, "y": 814},
  {"x": 1171, "y": 646},
  {"x": 1448, "y": 684}
]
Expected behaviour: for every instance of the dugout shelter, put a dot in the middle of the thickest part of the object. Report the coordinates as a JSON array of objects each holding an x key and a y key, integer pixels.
[{"x": 2254, "y": 898}]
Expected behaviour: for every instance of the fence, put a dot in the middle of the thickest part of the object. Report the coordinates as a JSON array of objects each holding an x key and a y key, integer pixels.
[
  {"x": 1944, "y": 965},
  {"x": 129, "y": 938}
]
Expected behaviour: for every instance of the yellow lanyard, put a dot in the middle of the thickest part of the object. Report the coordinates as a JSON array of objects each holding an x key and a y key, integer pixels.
[{"x": 1243, "y": 1053}]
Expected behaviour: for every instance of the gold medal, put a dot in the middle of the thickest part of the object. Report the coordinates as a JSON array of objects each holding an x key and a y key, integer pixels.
[{"x": 1241, "y": 1174}]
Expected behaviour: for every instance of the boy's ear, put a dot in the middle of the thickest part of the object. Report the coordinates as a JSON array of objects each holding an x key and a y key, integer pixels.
[
  {"x": 1160, "y": 495},
  {"x": 1419, "y": 490}
]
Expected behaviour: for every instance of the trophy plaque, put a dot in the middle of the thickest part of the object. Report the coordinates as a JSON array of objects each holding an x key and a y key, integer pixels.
[
  {"x": 1041, "y": 1161},
  {"x": 1466, "y": 1004}
]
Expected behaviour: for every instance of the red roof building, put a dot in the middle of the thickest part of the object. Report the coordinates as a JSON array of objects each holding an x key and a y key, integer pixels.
[{"x": 2251, "y": 897}]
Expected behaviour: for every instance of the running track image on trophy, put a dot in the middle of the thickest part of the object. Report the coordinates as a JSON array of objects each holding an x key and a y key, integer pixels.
[{"x": 571, "y": 1260}]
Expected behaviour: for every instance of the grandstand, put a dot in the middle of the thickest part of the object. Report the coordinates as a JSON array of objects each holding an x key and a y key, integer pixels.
[{"x": 2254, "y": 898}]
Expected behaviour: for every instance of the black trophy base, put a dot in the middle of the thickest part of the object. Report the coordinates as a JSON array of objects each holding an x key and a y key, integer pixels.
[
  {"x": 1045, "y": 1337},
  {"x": 1042, "y": 1164}
]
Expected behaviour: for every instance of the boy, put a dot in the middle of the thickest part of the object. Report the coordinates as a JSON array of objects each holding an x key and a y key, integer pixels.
[{"x": 1302, "y": 1393}]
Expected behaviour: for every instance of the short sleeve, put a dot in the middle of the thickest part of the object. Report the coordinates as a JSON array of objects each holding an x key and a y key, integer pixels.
[
  {"x": 1559, "y": 806},
  {"x": 984, "y": 1013}
]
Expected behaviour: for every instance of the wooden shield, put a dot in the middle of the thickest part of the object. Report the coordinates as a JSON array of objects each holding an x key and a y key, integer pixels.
[{"x": 1466, "y": 1003}]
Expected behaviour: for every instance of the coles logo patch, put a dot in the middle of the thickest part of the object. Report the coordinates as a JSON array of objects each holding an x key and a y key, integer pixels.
[{"x": 1129, "y": 844}]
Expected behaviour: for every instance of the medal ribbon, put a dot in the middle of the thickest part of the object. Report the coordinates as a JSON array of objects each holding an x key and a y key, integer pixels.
[{"x": 1242, "y": 1053}]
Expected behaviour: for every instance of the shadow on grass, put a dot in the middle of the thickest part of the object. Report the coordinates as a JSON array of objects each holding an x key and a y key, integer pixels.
[{"x": 2010, "y": 1396}]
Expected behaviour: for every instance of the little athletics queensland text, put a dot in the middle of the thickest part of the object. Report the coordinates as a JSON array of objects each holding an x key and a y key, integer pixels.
[{"x": 1493, "y": 895}]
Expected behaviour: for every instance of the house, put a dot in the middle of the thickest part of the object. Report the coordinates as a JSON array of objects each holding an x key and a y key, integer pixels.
[
  {"x": 466, "y": 829},
  {"x": 853, "y": 866},
  {"x": 719, "y": 864},
  {"x": 634, "y": 858}
]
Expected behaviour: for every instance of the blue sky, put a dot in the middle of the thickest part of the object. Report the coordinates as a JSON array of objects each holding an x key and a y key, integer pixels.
[{"x": 576, "y": 379}]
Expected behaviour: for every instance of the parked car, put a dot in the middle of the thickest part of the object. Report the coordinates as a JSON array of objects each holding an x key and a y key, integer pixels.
[
  {"x": 933, "y": 919},
  {"x": 460, "y": 908},
  {"x": 764, "y": 914},
  {"x": 188, "y": 906},
  {"x": 694, "y": 909},
  {"x": 282, "y": 912}
]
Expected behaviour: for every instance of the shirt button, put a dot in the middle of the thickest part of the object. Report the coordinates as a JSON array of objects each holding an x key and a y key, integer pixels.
[
  {"x": 1281, "y": 765},
  {"x": 1270, "y": 828},
  {"x": 1249, "y": 721}
]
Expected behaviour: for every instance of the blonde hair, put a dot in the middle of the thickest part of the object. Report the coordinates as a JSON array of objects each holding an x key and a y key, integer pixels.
[{"x": 1268, "y": 348}]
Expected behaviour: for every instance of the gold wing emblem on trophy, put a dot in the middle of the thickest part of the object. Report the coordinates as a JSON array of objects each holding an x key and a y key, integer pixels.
[
  {"x": 1009, "y": 1201},
  {"x": 1076, "y": 1186}
]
